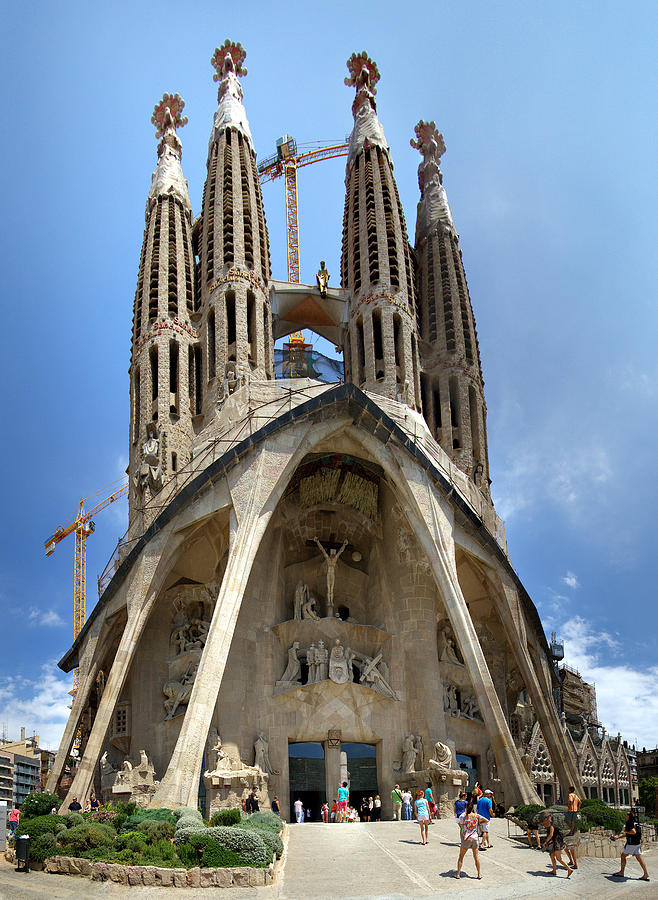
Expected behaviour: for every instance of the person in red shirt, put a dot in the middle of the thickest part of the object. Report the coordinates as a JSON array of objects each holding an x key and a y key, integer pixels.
[{"x": 14, "y": 818}]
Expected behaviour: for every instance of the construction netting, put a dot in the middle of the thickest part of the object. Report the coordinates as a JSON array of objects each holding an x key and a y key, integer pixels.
[{"x": 304, "y": 362}]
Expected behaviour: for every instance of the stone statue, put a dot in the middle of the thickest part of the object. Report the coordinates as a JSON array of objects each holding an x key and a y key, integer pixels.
[
  {"x": 311, "y": 659},
  {"x": 222, "y": 759},
  {"x": 322, "y": 279},
  {"x": 301, "y": 593},
  {"x": 150, "y": 472},
  {"x": 450, "y": 699},
  {"x": 526, "y": 759},
  {"x": 470, "y": 708},
  {"x": 409, "y": 754},
  {"x": 308, "y": 607},
  {"x": 442, "y": 756},
  {"x": 293, "y": 669},
  {"x": 178, "y": 692},
  {"x": 420, "y": 753},
  {"x": 447, "y": 650},
  {"x": 491, "y": 764},
  {"x": 372, "y": 675},
  {"x": 321, "y": 662},
  {"x": 339, "y": 671},
  {"x": 331, "y": 560},
  {"x": 262, "y": 755}
]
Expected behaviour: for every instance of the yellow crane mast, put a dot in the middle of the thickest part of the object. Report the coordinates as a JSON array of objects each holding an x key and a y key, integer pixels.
[
  {"x": 82, "y": 526},
  {"x": 285, "y": 163}
]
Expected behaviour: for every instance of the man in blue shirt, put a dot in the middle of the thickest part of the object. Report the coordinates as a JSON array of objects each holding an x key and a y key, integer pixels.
[{"x": 484, "y": 808}]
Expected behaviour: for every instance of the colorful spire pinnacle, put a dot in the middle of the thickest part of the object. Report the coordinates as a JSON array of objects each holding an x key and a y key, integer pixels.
[
  {"x": 433, "y": 206},
  {"x": 168, "y": 114},
  {"x": 227, "y": 61},
  {"x": 367, "y": 131},
  {"x": 168, "y": 176}
]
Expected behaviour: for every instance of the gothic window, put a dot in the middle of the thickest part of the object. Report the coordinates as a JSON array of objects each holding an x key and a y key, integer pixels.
[
  {"x": 174, "y": 462},
  {"x": 393, "y": 265},
  {"x": 378, "y": 343},
  {"x": 455, "y": 413},
  {"x": 371, "y": 220},
  {"x": 246, "y": 206},
  {"x": 360, "y": 352},
  {"x": 227, "y": 202},
  {"x": 155, "y": 265},
  {"x": 173, "y": 377},
  {"x": 198, "y": 389},
  {"x": 589, "y": 770},
  {"x": 398, "y": 342},
  {"x": 542, "y": 769},
  {"x": 446, "y": 294},
  {"x": 153, "y": 359},
  {"x": 436, "y": 401},
  {"x": 429, "y": 333},
  {"x": 230, "y": 324},
  {"x": 189, "y": 294},
  {"x": 172, "y": 281},
  {"x": 210, "y": 213},
  {"x": 211, "y": 344},
  {"x": 356, "y": 225}
]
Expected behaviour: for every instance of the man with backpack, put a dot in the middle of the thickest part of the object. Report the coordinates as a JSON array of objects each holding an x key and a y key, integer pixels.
[{"x": 633, "y": 834}]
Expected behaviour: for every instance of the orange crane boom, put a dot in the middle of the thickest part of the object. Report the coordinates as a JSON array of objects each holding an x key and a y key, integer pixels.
[
  {"x": 82, "y": 526},
  {"x": 286, "y": 162}
]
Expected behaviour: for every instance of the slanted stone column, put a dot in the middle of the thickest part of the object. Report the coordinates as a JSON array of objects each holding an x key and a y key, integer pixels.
[
  {"x": 148, "y": 577},
  {"x": 431, "y": 523},
  {"x": 66, "y": 743},
  {"x": 563, "y": 763}
]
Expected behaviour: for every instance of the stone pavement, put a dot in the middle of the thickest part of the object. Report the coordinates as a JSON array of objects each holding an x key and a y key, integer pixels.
[{"x": 383, "y": 861}]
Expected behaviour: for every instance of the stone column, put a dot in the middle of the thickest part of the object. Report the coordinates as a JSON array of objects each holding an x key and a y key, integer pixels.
[
  {"x": 145, "y": 584},
  {"x": 431, "y": 524},
  {"x": 64, "y": 750},
  {"x": 564, "y": 765},
  {"x": 331, "y": 771}
]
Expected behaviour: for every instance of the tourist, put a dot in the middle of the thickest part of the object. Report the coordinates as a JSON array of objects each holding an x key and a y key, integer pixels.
[
  {"x": 334, "y": 812},
  {"x": 533, "y": 832},
  {"x": 325, "y": 812},
  {"x": 74, "y": 806},
  {"x": 364, "y": 810},
  {"x": 469, "y": 821},
  {"x": 460, "y": 808},
  {"x": 299, "y": 811},
  {"x": 352, "y": 815},
  {"x": 633, "y": 835},
  {"x": 276, "y": 809},
  {"x": 396, "y": 798},
  {"x": 406, "y": 805},
  {"x": 422, "y": 816},
  {"x": 484, "y": 807},
  {"x": 371, "y": 809},
  {"x": 342, "y": 797},
  {"x": 93, "y": 802},
  {"x": 476, "y": 793},
  {"x": 554, "y": 843},
  {"x": 429, "y": 796},
  {"x": 377, "y": 811},
  {"x": 14, "y": 818},
  {"x": 573, "y": 805}
]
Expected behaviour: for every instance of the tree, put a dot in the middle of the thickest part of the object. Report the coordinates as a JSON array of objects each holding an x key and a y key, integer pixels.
[{"x": 647, "y": 790}]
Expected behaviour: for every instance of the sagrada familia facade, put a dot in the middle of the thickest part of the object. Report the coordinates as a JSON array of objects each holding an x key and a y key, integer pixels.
[{"x": 314, "y": 574}]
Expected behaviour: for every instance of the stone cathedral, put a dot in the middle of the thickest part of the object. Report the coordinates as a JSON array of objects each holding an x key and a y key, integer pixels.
[{"x": 314, "y": 585}]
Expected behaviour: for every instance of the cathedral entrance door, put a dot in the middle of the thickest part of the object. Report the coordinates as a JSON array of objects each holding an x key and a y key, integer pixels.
[
  {"x": 362, "y": 768},
  {"x": 307, "y": 779},
  {"x": 467, "y": 763}
]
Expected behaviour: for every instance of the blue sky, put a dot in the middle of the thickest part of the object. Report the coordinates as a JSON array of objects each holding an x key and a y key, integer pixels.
[{"x": 549, "y": 116}]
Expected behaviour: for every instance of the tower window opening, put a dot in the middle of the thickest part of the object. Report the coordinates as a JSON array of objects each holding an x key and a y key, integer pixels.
[
  {"x": 187, "y": 259},
  {"x": 210, "y": 214},
  {"x": 155, "y": 265},
  {"x": 172, "y": 282},
  {"x": 455, "y": 413},
  {"x": 360, "y": 352},
  {"x": 262, "y": 226},
  {"x": 140, "y": 290},
  {"x": 174, "y": 462},
  {"x": 425, "y": 396},
  {"x": 190, "y": 378},
  {"x": 429, "y": 332},
  {"x": 211, "y": 345},
  {"x": 137, "y": 398},
  {"x": 246, "y": 207},
  {"x": 227, "y": 201},
  {"x": 251, "y": 325},
  {"x": 475, "y": 430},
  {"x": 198, "y": 389},
  {"x": 266, "y": 331},
  {"x": 230, "y": 324},
  {"x": 173, "y": 377},
  {"x": 371, "y": 221},
  {"x": 436, "y": 406},
  {"x": 393, "y": 265},
  {"x": 398, "y": 343},
  {"x": 356, "y": 228},
  {"x": 378, "y": 343},
  {"x": 414, "y": 362},
  {"x": 153, "y": 359}
]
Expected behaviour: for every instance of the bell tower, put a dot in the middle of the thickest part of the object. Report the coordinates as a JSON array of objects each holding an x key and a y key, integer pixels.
[
  {"x": 161, "y": 429},
  {"x": 381, "y": 349},
  {"x": 451, "y": 379},
  {"x": 234, "y": 256}
]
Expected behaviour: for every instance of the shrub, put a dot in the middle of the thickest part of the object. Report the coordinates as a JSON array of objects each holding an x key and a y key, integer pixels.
[
  {"x": 131, "y": 840},
  {"x": 42, "y": 847},
  {"x": 187, "y": 855},
  {"x": 74, "y": 819},
  {"x": 186, "y": 811},
  {"x": 86, "y": 837},
  {"x": 245, "y": 841},
  {"x": 107, "y": 816},
  {"x": 159, "y": 851},
  {"x": 188, "y": 820},
  {"x": 271, "y": 840},
  {"x": 599, "y": 813},
  {"x": 227, "y": 817},
  {"x": 60, "y": 829},
  {"x": 183, "y": 834},
  {"x": 39, "y": 804},
  {"x": 558, "y": 817},
  {"x": 157, "y": 831},
  {"x": 266, "y": 819},
  {"x": 125, "y": 809},
  {"x": 528, "y": 813},
  {"x": 143, "y": 815},
  {"x": 213, "y": 854},
  {"x": 41, "y": 825}
]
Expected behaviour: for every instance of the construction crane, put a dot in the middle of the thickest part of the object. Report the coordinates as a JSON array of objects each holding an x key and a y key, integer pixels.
[
  {"x": 286, "y": 162},
  {"x": 82, "y": 526}
]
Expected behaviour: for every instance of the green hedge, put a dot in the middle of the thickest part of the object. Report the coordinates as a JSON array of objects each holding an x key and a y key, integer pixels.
[
  {"x": 43, "y": 846},
  {"x": 41, "y": 825},
  {"x": 147, "y": 815},
  {"x": 266, "y": 820},
  {"x": 599, "y": 813},
  {"x": 86, "y": 837},
  {"x": 186, "y": 811},
  {"x": 212, "y": 854},
  {"x": 245, "y": 841},
  {"x": 39, "y": 804},
  {"x": 529, "y": 813},
  {"x": 227, "y": 817},
  {"x": 73, "y": 819}
]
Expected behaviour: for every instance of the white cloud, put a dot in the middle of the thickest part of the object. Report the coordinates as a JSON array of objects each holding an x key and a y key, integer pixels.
[
  {"x": 47, "y": 617},
  {"x": 571, "y": 580},
  {"x": 626, "y": 696},
  {"x": 41, "y": 706}
]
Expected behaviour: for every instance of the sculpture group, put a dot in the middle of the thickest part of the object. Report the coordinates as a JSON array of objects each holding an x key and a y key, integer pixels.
[{"x": 341, "y": 665}]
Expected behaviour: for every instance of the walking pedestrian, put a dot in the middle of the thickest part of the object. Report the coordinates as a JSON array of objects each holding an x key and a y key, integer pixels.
[
  {"x": 422, "y": 816},
  {"x": 484, "y": 808},
  {"x": 276, "y": 809},
  {"x": 325, "y": 812},
  {"x": 429, "y": 796},
  {"x": 14, "y": 819},
  {"x": 364, "y": 810},
  {"x": 396, "y": 798},
  {"x": 377, "y": 810},
  {"x": 554, "y": 843},
  {"x": 299, "y": 811},
  {"x": 406, "y": 805},
  {"x": 633, "y": 834},
  {"x": 469, "y": 821}
]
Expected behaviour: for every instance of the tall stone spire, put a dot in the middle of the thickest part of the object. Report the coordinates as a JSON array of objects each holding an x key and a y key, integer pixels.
[
  {"x": 163, "y": 335},
  {"x": 381, "y": 352},
  {"x": 233, "y": 247},
  {"x": 451, "y": 379}
]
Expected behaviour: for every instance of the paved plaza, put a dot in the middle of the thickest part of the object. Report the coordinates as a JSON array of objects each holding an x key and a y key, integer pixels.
[{"x": 383, "y": 860}]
